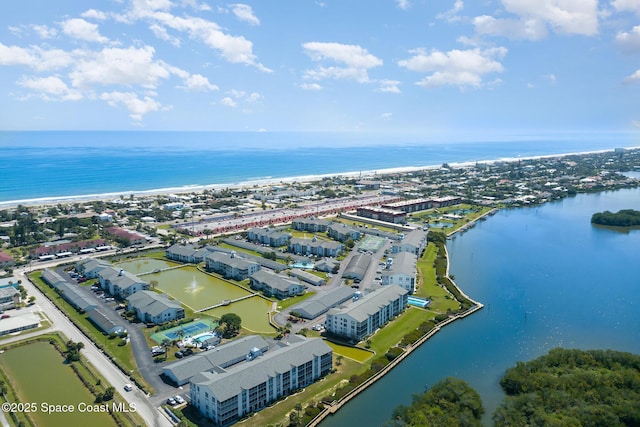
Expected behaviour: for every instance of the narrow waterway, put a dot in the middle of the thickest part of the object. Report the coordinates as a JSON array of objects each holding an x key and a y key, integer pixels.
[{"x": 547, "y": 278}]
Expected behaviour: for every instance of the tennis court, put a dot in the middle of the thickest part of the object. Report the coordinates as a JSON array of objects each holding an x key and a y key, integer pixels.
[
  {"x": 188, "y": 330},
  {"x": 371, "y": 243}
]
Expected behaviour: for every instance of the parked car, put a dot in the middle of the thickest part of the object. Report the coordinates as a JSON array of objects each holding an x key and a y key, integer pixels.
[
  {"x": 171, "y": 401},
  {"x": 179, "y": 354},
  {"x": 5, "y": 316},
  {"x": 179, "y": 400},
  {"x": 187, "y": 352}
]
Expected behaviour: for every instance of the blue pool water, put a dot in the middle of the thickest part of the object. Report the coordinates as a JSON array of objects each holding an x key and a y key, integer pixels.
[
  {"x": 203, "y": 337},
  {"x": 419, "y": 302},
  {"x": 303, "y": 265}
]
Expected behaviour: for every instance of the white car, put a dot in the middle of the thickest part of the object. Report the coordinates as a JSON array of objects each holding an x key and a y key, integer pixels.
[
  {"x": 128, "y": 387},
  {"x": 179, "y": 400}
]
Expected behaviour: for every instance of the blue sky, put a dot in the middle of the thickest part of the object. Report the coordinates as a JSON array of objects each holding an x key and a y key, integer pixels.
[{"x": 433, "y": 67}]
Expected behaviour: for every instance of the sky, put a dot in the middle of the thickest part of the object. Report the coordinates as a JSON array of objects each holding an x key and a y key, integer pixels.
[{"x": 439, "y": 67}]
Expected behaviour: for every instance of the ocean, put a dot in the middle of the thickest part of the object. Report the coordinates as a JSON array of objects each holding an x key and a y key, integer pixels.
[{"x": 57, "y": 165}]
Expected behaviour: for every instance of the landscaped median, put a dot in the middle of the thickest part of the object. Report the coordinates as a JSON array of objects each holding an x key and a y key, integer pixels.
[{"x": 44, "y": 385}]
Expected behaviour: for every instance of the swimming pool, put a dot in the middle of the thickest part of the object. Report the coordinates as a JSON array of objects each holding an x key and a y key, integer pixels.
[
  {"x": 303, "y": 265},
  {"x": 419, "y": 302},
  {"x": 202, "y": 337}
]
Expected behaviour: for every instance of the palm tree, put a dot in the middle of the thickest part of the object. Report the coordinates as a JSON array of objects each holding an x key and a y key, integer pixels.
[{"x": 166, "y": 344}]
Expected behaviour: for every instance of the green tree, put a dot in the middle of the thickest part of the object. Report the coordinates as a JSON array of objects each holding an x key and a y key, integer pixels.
[
  {"x": 451, "y": 402},
  {"x": 230, "y": 325}
]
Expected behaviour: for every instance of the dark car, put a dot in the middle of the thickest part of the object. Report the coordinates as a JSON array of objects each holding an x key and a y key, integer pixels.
[
  {"x": 187, "y": 352},
  {"x": 179, "y": 354}
]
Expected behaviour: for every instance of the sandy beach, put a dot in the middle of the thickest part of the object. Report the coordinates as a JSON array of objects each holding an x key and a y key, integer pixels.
[{"x": 368, "y": 174}]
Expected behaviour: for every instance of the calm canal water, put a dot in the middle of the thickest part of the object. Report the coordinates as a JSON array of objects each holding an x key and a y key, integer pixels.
[{"x": 547, "y": 278}]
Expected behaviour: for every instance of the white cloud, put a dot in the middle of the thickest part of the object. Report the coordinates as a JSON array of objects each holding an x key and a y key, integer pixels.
[
  {"x": 44, "y": 31},
  {"x": 228, "y": 102},
  {"x": 529, "y": 29},
  {"x": 94, "y": 14},
  {"x": 389, "y": 86},
  {"x": 626, "y": 5},
  {"x": 161, "y": 33},
  {"x": 311, "y": 86},
  {"x": 535, "y": 17},
  {"x": 35, "y": 57},
  {"x": 629, "y": 41},
  {"x": 51, "y": 88},
  {"x": 198, "y": 83},
  {"x": 551, "y": 78},
  {"x": 234, "y": 49},
  {"x": 403, "y": 4},
  {"x": 15, "y": 55},
  {"x": 254, "y": 97},
  {"x": 565, "y": 16},
  {"x": 137, "y": 107},
  {"x": 451, "y": 15},
  {"x": 386, "y": 116},
  {"x": 633, "y": 78},
  {"x": 120, "y": 66},
  {"x": 356, "y": 61},
  {"x": 80, "y": 29},
  {"x": 244, "y": 13},
  {"x": 143, "y": 8},
  {"x": 463, "y": 68}
]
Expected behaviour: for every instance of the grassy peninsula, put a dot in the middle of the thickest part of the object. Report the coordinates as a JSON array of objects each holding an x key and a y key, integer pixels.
[{"x": 622, "y": 218}]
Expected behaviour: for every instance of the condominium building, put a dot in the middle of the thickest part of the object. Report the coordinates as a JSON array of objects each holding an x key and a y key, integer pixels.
[
  {"x": 224, "y": 396},
  {"x": 363, "y": 317},
  {"x": 231, "y": 266}
]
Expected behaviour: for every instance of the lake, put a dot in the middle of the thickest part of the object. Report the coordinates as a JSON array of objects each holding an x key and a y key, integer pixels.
[
  {"x": 41, "y": 377},
  {"x": 547, "y": 278}
]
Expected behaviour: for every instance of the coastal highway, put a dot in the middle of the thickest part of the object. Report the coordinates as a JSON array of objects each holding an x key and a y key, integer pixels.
[{"x": 151, "y": 415}]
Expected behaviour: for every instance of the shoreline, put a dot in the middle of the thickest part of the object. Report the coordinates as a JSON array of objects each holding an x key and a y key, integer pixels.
[
  {"x": 54, "y": 200},
  {"x": 476, "y": 306}
]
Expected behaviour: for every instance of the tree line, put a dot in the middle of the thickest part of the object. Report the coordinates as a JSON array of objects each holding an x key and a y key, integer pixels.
[
  {"x": 563, "y": 388},
  {"x": 622, "y": 218}
]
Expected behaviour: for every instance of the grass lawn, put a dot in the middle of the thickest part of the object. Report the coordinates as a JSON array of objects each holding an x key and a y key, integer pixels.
[
  {"x": 355, "y": 353},
  {"x": 426, "y": 272},
  {"x": 441, "y": 299},
  {"x": 239, "y": 249},
  {"x": 308, "y": 235},
  {"x": 286, "y": 303},
  {"x": 357, "y": 224},
  {"x": 315, "y": 392},
  {"x": 392, "y": 332}
]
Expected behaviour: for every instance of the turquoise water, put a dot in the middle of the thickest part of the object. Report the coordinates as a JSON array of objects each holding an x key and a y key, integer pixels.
[
  {"x": 203, "y": 337},
  {"x": 141, "y": 161},
  {"x": 418, "y": 302},
  {"x": 547, "y": 277}
]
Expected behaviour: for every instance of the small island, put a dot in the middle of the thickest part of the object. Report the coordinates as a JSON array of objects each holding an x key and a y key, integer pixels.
[{"x": 622, "y": 218}]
